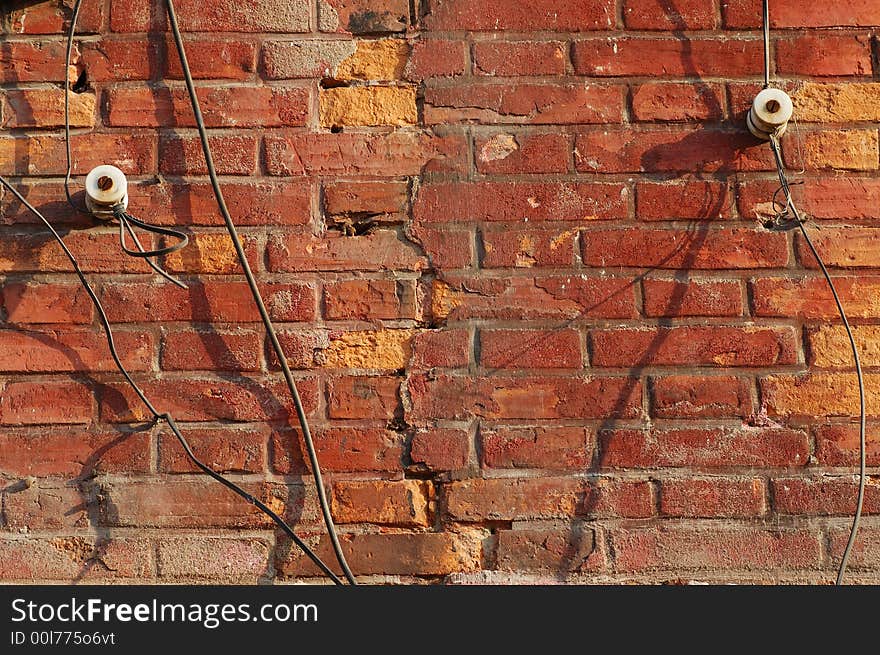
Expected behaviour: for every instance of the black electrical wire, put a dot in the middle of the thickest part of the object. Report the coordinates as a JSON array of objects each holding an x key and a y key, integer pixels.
[
  {"x": 766, "y": 43},
  {"x": 790, "y": 212},
  {"x": 252, "y": 283},
  {"x": 157, "y": 416}
]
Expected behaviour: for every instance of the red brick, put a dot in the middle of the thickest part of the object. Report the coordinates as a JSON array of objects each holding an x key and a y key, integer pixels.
[
  {"x": 232, "y": 154},
  {"x": 345, "y": 449},
  {"x": 68, "y": 350},
  {"x": 510, "y": 58},
  {"x": 443, "y": 348},
  {"x": 551, "y": 448},
  {"x": 40, "y": 193},
  {"x": 348, "y": 153},
  {"x": 694, "y": 346},
  {"x": 198, "y": 502},
  {"x": 44, "y": 108},
  {"x": 381, "y": 250},
  {"x": 299, "y": 346},
  {"x": 498, "y": 397},
  {"x": 223, "y": 449},
  {"x": 523, "y": 153},
  {"x": 73, "y": 558},
  {"x": 827, "y": 54},
  {"x": 790, "y": 13},
  {"x": 240, "y": 106},
  {"x": 691, "y": 396},
  {"x": 419, "y": 553},
  {"x": 667, "y": 57},
  {"x": 712, "y": 497},
  {"x": 208, "y": 301},
  {"x": 134, "y": 154},
  {"x": 33, "y": 61},
  {"x": 43, "y": 403},
  {"x": 97, "y": 252},
  {"x": 54, "y": 18},
  {"x": 440, "y": 449},
  {"x": 197, "y": 399},
  {"x": 714, "y": 549},
  {"x": 530, "y": 349},
  {"x": 366, "y": 300},
  {"x": 519, "y": 298},
  {"x": 403, "y": 503},
  {"x": 518, "y": 201},
  {"x": 118, "y": 60},
  {"x": 505, "y": 499},
  {"x": 865, "y": 551},
  {"x": 447, "y": 247},
  {"x": 509, "y": 247},
  {"x": 24, "y": 303},
  {"x": 665, "y": 298},
  {"x": 363, "y": 16},
  {"x": 214, "y": 59},
  {"x": 848, "y": 247},
  {"x": 684, "y": 249},
  {"x": 47, "y": 507},
  {"x": 678, "y": 16},
  {"x": 551, "y": 15},
  {"x": 810, "y": 298},
  {"x": 689, "y": 199},
  {"x": 707, "y": 448},
  {"x": 266, "y": 202},
  {"x": 73, "y": 452},
  {"x": 436, "y": 58},
  {"x": 361, "y": 397},
  {"x": 838, "y": 445},
  {"x": 823, "y": 496},
  {"x": 213, "y": 558},
  {"x": 218, "y": 16},
  {"x": 573, "y": 549},
  {"x": 682, "y": 150},
  {"x": 225, "y": 350},
  {"x": 841, "y": 198},
  {"x": 360, "y": 198},
  {"x": 529, "y": 103},
  {"x": 677, "y": 102}
]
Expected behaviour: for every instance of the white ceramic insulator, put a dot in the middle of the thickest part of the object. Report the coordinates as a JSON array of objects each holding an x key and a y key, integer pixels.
[
  {"x": 770, "y": 113},
  {"x": 100, "y": 201}
]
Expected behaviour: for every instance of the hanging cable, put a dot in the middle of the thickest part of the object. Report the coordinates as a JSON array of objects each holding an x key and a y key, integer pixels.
[
  {"x": 165, "y": 416},
  {"x": 252, "y": 283},
  {"x": 787, "y": 214},
  {"x": 126, "y": 223}
]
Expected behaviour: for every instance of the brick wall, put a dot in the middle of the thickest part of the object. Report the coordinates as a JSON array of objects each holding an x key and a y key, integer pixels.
[{"x": 514, "y": 253}]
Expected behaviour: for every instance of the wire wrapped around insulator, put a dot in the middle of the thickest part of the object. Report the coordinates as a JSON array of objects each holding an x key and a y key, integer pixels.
[{"x": 126, "y": 220}]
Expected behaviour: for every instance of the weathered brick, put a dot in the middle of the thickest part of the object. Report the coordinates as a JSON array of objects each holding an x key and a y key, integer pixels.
[
  {"x": 246, "y": 106},
  {"x": 824, "y": 54},
  {"x": 368, "y": 105},
  {"x": 71, "y": 558},
  {"x": 455, "y": 397},
  {"x": 694, "y": 346},
  {"x": 687, "y": 15},
  {"x": 714, "y": 548},
  {"x": 524, "y": 498},
  {"x": 707, "y": 448},
  {"x": 511, "y": 58},
  {"x": 44, "y": 108},
  {"x": 820, "y": 394},
  {"x": 43, "y": 403},
  {"x": 701, "y": 249},
  {"x": 361, "y": 397},
  {"x": 688, "y": 199},
  {"x": 381, "y": 250},
  {"x": 712, "y": 497},
  {"x": 573, "y": 549},
  {"x": 223, "y": 449},
  {"x": 219, "y": 16},
  {"x": 440, "y": 449},
  {"x": 677, "y": 102},
  {"x": 505, "y": 153},
  {"x": 693, "y": 297},
  {"x": 528, "y": 103},
  {"x": 823, "y": 496},
  {"x": 692, "y": 396},
  {"x": 68, "y": 350},
  {"x": 25, "y": 303},
  {"x": 232, "y": 154},
  {"x": 363, "y": 16},
  {"x": 339, "y": 449},
  {"x": 563, "y": 448},
  {"x": 554, "y": 15},
  {"x": 224, "y": 350},
  {"x": 810, "y": 298},
  {"x": 213, "y": 558},
  {"x": 842, "y": 149},
  {"x": 530, "y": 349},
  {"x": 404, "y": 503},
  {"x": 838, "y": 445},
  {"x": 837, "y": 103}
]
